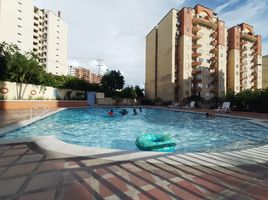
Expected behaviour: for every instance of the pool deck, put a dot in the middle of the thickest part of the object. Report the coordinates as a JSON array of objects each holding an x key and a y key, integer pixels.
[{"x": 28, "y": 171}]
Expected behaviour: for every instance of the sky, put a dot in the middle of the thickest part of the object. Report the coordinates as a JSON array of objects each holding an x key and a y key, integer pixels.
[{"x": 115, "y": 30}]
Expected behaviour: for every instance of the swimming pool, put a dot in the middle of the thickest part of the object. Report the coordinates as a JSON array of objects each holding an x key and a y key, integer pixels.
[{"x": 192, "y": 132}]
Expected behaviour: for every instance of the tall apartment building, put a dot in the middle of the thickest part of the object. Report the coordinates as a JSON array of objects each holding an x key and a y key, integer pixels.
[
  {"x": 85, "y": 74},
  {"x": 37, "y": 30},
  {"x": 265, "y": 71},
  {"x": 191, "y": 53},
  {"x": 186, "y": 55},
  {"x": 244, "y": 58}
]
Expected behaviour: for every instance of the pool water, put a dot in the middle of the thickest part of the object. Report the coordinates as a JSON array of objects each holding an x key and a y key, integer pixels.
[{"x": 93, "y": 127}]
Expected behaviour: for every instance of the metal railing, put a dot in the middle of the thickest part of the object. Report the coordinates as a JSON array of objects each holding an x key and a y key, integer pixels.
[{"x": 38, "y": 110}]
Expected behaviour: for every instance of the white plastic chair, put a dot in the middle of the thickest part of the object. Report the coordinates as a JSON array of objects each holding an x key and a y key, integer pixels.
[{"x": 225, "y": 107}]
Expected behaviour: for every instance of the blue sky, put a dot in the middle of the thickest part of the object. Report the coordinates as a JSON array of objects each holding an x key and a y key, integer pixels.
[{"x": 115, "y": 30}]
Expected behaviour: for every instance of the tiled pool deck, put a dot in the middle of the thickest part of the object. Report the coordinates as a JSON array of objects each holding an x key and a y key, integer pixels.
[{"x": 28, "y": 172}]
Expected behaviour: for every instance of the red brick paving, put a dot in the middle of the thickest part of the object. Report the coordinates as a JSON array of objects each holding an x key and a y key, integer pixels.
[{"x": 40, "y": 177}]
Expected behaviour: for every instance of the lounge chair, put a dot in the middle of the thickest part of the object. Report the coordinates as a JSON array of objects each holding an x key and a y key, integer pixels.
[
  {"x": 192, "y": 104},
  {"x": 174, "y": 105},
  {"x": 225, "y": 107}
]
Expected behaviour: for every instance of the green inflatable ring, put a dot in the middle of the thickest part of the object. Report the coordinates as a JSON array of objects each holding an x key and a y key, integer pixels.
[{"x": 156, "y": 142}]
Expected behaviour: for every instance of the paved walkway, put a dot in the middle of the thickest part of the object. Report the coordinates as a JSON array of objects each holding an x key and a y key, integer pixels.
[{"x": 28, "y": 174}]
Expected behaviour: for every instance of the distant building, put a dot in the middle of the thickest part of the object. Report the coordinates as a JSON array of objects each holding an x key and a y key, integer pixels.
[
  {"x": 85, "y": 74},
  {"x": 37, "y": 30},
  {"x": 265, "y": 71}
]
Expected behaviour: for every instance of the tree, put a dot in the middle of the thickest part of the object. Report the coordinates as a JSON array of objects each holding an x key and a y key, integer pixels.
[
  {"x": 129, "y": 92},
  {"x": 139, "y": 92},
  {"x": 23, "y": 69},
  {"x": 112, "y": 80}
]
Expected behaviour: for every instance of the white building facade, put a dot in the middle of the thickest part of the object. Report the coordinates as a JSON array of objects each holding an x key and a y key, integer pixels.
[{"x": 37, "y": 30}]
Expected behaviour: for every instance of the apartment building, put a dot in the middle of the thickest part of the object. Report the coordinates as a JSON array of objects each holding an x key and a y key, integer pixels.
[
  {"x": 37, "y": 30},
  {"x": 191, "y": 53},
  {"x": 265, "y": 71},
  {"x": 244, "y": 58},
  {"x": 186, "y": 55},
  {"x": 85, "y": 74}
]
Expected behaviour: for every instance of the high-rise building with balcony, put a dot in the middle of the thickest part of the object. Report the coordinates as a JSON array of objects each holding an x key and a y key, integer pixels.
[
  {"x": 37, "y": 30},
  {"x": 186, "y": 55},
  {"x": 244, "y": 58}
]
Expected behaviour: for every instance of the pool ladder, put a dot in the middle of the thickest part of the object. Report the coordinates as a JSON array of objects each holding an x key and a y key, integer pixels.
[{"x": 35, "y": 108}]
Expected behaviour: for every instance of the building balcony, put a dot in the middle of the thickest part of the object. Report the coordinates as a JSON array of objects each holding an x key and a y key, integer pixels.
[
  {"x": 196, "y": 63},
  {"x": 253, "y": 47},
  {"x": 243, "y": 42},
  {"x": 195, "y": 72},
  {"x": 244, "y": 49},
  {"x": 214, "y": 81},
  {"x": 196, "y": 55},
  {"x": 196, "y": 89},
  {"x": 248, "y": 37},
  {"x": 242, "y": 57},
  {"x": 214, "y": 50},
  {"x": 205, "y": 22},
  {"x": 214, "y": 34},
  {"x": 196, "y": 46},
  {"x": 195, "y": 81},
  {"x": 213, "y": 59},
  {"x": 213, "y": 90},
  {"x": 213, "y": 65},
  {"x": 254, "y": 73},
  {"x": 213, "y": 43},
  {"x": 195, "y": 29},
  {"x": 196, "y": 37}
]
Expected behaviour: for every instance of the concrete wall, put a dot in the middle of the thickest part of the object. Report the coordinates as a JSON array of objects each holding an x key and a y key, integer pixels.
[
  {"x": 265, "y": 71},
  {"x": 9, "y": 91},
  {"x": 166, "y": 56},
  {"x": 22, "y": 104},
  {"x": 150, "y": 79}
]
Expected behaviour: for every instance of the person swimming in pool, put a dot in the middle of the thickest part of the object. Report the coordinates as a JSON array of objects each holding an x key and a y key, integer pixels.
[
  {"x": 135, "y": 111},
  {"x": 140, "y": 109},
  {"x": 123, "y": 112},
  {"x": 111, "y": 113}
]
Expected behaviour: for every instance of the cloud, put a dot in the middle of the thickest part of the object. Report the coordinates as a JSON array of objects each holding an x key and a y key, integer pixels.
[
  {"x": 225, "y": 5},
  {"x": 251, "y": 12}
]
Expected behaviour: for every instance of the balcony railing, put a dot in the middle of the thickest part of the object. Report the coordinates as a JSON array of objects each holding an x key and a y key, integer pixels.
[
  {"x": 213, "y": 43},
  {"x": 196, "y": 63},
  {"x": 213, "y": 50},
  {"x": 214, "y": 34},
  {"x": 194, "y": 81},
  {"x": 196, "y": 37},
  {"x": 196, "y": 46},
  {"x": 248, "y": 37},
  {"x": 195, "y": 29},
  {"x": 204, "y": 22},
  {"x": 195, "y": 72},
  {"x": 196, "y": 55}
]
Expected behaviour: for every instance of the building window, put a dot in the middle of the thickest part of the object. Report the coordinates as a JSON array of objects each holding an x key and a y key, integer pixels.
[
  {"x": 19, "y": 26},
  {"x": 19, "y": 3},
  {"x": 57, "y": 55},
  {"x": 19, "y": 10},
  {"x": 19, "y": 18},
  {"x": 19, "y": 33},
  {"x": 19, "y": 41}
]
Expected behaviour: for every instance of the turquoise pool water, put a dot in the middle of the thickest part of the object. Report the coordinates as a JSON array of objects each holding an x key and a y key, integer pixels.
[{"x": 192, "y": 132}]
